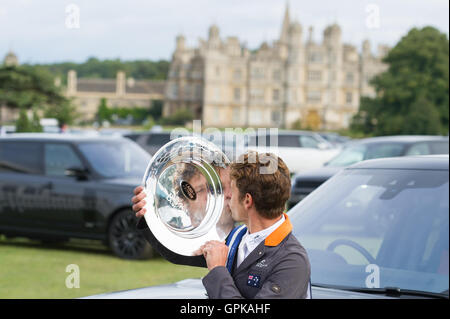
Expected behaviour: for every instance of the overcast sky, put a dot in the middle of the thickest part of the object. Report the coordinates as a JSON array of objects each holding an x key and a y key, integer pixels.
[{"x": 45, "y": 31}]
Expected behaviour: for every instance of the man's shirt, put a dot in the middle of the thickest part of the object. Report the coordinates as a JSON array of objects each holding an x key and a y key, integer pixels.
[
  {"x": 277, "y": 268},
  {"x": 250, "y": 241}
]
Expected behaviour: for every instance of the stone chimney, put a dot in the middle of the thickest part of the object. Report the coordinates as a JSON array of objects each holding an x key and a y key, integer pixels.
[
  {"x": 120, "y": 83},
  {"x": 72, "y": 82}
]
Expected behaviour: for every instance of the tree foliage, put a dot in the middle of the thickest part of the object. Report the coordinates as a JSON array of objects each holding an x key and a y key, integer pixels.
[
  {"x": 412, "y": 95},
  {"x": 26, "y": 88},
  {"x": 95, "y": 68}
]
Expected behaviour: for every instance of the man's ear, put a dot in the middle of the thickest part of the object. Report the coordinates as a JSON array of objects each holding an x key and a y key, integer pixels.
[{"x": 248, "y": 201}]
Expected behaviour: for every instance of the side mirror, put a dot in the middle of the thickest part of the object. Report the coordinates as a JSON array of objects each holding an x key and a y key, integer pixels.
[{"x": 77, "y": 172}]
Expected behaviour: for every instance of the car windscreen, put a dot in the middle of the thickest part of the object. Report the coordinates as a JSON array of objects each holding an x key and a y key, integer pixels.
[
  {"x": 377, "y": 228},
  {"x": 360, "y": 152},
  {"x": 116, "y": 159}
]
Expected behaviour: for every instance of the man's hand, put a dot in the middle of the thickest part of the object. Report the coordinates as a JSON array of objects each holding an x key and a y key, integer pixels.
[
  {"x": 138, "y": 201},
  {"x": 215, "y": 253}
]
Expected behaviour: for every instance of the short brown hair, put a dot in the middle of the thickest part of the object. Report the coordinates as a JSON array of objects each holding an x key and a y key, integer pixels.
[{"x": 269, "y": 191}]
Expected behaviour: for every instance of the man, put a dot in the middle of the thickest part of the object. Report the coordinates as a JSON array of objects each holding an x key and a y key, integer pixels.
[
  {"x": 270, "y": 262},
  {"x": 196, "y": 207}
]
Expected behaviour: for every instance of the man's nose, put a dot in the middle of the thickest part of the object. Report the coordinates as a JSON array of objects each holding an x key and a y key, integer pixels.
[{"x": 227, "y": 194}]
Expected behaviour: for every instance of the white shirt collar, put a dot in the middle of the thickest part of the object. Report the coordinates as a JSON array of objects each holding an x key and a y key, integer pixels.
[{"x": 253, "y": 240}]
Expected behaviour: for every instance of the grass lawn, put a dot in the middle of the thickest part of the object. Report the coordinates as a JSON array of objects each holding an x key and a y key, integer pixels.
[{"x": 29, "y": 269}]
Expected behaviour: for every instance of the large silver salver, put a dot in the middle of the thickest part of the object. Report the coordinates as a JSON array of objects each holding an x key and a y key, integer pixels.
[{"x": 184, "y": 195}]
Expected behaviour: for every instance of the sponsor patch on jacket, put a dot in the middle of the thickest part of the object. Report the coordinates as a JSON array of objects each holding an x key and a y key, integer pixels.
[{"x": 253, "y": 280}]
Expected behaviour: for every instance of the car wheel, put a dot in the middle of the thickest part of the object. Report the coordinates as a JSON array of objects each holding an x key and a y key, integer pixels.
[{"x": 125, "y": 240}]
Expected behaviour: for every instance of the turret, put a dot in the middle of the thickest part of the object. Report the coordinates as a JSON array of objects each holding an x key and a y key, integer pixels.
[{"x": 11, "y": 59}]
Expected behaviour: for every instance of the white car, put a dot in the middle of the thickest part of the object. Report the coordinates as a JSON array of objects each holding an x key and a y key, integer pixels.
[{"x": 300, "y": 150}]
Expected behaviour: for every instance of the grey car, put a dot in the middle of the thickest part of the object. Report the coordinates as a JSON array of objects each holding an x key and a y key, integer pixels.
[
  {"x": 377, "y": 229},
  {"x": 365, "y": 149}
]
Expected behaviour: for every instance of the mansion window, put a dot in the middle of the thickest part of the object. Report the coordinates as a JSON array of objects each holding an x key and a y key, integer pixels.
[
  {"x": 174, "y": 91},
  {"x": 237, "y": 94},
  {"x": 277, "y": 75},
  {"x": 276, "y": 95},
  {"x": 198, "y": 91},
  {"x": 276, "y": 117},
  {"x": 314, "y": 76},
  {"x": 257, "y": 94},
  {"x": 315, "y": 57},
  {"x": 237, "y": 74},
  {"x": 348, "y": 98},
  {"x": 314, "y": 96},
  {"x": 349, "y": 77},
  {"x": 257, "y": 73}
]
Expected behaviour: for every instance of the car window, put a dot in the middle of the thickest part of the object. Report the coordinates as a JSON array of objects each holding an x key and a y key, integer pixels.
[
  {"x": 288, "y": 141},
  {"x": 384, "y": 150},
  {"x": 58, "y": 158},
  {"x": 419, "y": 149},
  {"x": 21, "y": 157},
  {"x": 309, "y": 141},
  {"x": 439, "y": 147},
  {"x": 116, "y": 159},
  {"x": 133, "y": 137},
  {"x": 158, "y": 139},
  {"x": 348, "y": 156}
]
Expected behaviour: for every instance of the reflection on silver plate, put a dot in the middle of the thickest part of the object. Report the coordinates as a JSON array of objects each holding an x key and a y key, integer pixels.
[{"x": 185, "y": 199}]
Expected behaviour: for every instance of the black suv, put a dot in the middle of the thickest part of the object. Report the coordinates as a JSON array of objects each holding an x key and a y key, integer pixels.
[
  {"x": 152, "y": 141},
  {"x": 59, "y": 186}
]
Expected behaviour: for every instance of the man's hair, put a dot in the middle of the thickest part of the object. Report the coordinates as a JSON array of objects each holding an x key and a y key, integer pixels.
[
  {"x": 186, "y": 171},
  {"x": 269, "y": 191}
]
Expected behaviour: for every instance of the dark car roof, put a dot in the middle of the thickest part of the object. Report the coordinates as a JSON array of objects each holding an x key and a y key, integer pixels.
[
  {"x": 405, "y": 139},
  {"x": 59, "y": 137},
  {"x": 424, "y": 162}
]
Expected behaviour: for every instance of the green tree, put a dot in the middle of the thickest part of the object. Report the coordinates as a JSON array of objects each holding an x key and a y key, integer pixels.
[
  {"x": 30, "y": 87},
  {"x": 180, "y": 117},
  {"x": 65, "y": 112},
  {"x": 103, "y": 112},
  {"x": 35, "y": 124},
  {"x": 412, "y": 95},
  {"x": 156, "y": 109},
  {"x": 23, "y": 123}
]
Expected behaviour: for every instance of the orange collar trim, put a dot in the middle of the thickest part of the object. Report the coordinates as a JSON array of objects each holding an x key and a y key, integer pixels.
[{"x": 277, "y": 236}]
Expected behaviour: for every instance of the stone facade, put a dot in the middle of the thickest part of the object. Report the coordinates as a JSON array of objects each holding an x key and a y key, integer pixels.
[
  {"x": 120, "y": 92},
  {"x": 226, "y": 85}
]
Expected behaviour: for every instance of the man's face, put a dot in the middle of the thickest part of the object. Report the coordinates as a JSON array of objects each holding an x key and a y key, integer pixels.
[
  {"x": 224, "y": 174},
  {"x": 197, "y": 207},
  {"x": 238, "y": 211}
]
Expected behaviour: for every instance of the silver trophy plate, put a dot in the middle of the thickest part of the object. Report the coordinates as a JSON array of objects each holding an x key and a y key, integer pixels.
[{"x": 184, "y": 196}]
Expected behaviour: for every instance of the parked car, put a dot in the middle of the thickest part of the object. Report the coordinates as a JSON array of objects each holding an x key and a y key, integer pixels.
[
  {"x": 377, "y": 229},
  {"x": 7, "y": 129},
  {"x": 54, "y": 187},
  {"x": 370, "y": 148},
  {"x": 334, "y": 138},
  {"x": 151, "y": 141},
  {"x": 300, "y": 150}
]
